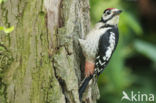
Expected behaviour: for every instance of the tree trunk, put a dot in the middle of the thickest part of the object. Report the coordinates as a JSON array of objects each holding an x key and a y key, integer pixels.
[{"x": 41, "y": 60}]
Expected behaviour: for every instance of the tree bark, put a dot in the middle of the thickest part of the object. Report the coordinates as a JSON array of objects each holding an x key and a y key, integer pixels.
[{"x": 41, "y": 60}]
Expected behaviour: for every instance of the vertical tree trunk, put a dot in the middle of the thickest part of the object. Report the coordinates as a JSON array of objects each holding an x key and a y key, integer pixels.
[{"x": 40, "y": 60}]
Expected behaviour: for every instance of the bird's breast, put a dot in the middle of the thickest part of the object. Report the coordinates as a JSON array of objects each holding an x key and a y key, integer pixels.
[{"x": 92, "y": 42}]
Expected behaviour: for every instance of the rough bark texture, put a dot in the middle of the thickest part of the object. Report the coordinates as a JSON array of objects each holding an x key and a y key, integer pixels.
[{"x": 40, "y": 60}]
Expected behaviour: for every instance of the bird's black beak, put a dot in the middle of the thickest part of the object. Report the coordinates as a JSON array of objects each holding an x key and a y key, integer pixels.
[{"x": 117, "y": 12}]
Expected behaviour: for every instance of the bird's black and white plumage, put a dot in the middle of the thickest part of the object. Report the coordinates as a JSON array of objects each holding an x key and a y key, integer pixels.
[
  {"x": 110, "y": 39},
  {"x": 99, "y": 45}
]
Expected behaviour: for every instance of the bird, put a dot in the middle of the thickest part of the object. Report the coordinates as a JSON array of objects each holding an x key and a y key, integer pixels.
[{"x": 99, "y": 45}]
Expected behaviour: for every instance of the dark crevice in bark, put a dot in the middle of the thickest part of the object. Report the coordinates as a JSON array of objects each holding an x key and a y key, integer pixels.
[
  {"x": 61, "y": 82},
  {"x": 47, "y": 30},
  {"x": 63, "y": 85},
  {"x": 68, "y": 52},
  {"x": 42, "y": 2},
  {"x": 60, "y": 18},
  {"x": 21, "y": 9}
]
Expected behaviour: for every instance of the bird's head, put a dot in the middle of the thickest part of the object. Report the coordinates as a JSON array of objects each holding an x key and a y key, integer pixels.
[{"x": 111, "y": 16}]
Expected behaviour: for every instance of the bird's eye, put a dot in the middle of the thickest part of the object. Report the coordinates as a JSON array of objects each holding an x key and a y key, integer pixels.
[{"x": 108, "y": 12}]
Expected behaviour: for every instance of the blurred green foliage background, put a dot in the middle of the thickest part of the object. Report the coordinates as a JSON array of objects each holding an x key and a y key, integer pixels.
[{"x": 133, "y": 65}]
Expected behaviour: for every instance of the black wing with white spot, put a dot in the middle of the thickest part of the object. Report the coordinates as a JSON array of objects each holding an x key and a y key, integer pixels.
[{"x": 107, "y": 44}]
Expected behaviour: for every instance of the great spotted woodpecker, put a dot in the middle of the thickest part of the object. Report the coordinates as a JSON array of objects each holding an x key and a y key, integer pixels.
[{"x": 99, "y": 45}]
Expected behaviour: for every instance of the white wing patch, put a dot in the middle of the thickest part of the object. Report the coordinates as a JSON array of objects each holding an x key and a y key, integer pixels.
[
  {"x": 104, "y": 58},
  {"x": 101, "y": 63},
  {"x": 111, "y": 47}
]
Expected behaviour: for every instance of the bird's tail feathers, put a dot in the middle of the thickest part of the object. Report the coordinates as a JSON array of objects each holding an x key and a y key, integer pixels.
[{"x": 83, "y": 86}]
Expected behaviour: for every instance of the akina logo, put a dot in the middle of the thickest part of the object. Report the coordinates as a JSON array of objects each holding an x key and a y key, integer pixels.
[{"x": 137, "y": 97}]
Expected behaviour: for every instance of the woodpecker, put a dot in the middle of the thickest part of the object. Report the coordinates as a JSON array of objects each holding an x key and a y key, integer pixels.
[{"x": 99, "y": 45}]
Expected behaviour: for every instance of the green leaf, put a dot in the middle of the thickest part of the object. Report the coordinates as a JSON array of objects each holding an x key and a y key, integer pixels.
[
  {"x": 146, "y": 49},
  {"x": 7, "y": 30}
]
